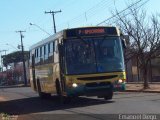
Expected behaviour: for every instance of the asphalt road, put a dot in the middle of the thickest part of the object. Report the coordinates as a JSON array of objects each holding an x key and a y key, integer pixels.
[{"x": 27, "y": 105}]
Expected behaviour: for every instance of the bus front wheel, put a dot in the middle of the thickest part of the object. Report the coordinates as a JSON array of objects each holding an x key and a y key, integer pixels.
[
  {"x": 109, "y": 96},
  {"x": 59, "y": 91},
  {"x": 58, "y": 88}
]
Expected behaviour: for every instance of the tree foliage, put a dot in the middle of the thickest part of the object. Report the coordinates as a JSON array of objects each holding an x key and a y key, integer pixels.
[
  {"x": 14, "y": 57},
  {"x": 144, "y": 36}
]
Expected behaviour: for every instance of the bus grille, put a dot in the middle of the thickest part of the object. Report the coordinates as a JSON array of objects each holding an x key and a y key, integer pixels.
[
  {"x": 98, "y": 77},
  {"x": 94, "y": 84}
]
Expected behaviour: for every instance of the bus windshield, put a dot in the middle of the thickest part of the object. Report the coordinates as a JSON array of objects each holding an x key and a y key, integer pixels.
[{"x": 94, "y": 55}]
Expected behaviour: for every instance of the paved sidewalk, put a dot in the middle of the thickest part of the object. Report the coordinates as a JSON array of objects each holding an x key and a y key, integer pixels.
[
  {"x": 138, "y": 87},
  {"x": 14, "y": 86}
]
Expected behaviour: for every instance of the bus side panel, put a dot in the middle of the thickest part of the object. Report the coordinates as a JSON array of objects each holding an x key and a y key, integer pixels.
[
  {"x": 45, "y": 74},
  {"x": 31, "y": 80},
  {"x": 56, "y": 75}
]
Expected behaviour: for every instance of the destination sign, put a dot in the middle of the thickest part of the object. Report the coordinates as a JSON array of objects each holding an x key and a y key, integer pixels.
[{"x": 91, "y": 31}]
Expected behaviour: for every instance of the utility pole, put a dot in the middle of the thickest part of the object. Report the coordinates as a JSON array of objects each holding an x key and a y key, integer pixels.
[
  {"x": 53, "y": 13},
  {"x": 24, "y": 67},
  {"x": 2, "y": 58}
]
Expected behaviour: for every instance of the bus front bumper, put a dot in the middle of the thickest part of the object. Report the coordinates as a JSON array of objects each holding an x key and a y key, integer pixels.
[
  {"x": 119, "y": 87},
  {"x": 83, "y": 90}
]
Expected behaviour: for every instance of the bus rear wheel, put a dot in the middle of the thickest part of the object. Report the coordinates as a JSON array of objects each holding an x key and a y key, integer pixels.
[{"x": 40, "y": 93}]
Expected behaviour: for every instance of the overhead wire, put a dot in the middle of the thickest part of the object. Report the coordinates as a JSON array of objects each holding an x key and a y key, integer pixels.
[
  {"x": 134, "y": 8},
  {"x": 94, "y": 12},
  {"x": 122, "y": 11},
  {"x": 90, "y": 12}
]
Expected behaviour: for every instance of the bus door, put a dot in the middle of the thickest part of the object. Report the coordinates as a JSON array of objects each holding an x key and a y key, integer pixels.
[
  {"x": 33, "y": 72},
  {"x": 62, "y": 65}
]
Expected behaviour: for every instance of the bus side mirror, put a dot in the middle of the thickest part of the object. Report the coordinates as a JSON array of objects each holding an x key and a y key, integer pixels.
[{"x": 124, "y": 43}]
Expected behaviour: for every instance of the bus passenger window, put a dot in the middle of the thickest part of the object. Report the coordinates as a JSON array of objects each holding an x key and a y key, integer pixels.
[
  {"x": 46, "y": 53},
  {"x": 37, "y": 52},
  {"x": 55, "y": 46},
  {"x": 44, "y": 49},
  {"x": 41, "y": 54},
  {"x": 48, "y": 48},
  {"x": 30, "y": 57},
  {"x": 40, "y": 51}
]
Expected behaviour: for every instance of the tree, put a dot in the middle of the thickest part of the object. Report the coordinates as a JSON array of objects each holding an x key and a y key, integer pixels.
[
  {"x": 14, "y": 57},
  {"x": 144, "y": 36}
]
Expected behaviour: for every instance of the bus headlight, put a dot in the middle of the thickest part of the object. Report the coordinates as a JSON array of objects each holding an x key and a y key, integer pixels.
[
  {"x": 120, "y": 81},
  {"x": 74, "y": 85}
]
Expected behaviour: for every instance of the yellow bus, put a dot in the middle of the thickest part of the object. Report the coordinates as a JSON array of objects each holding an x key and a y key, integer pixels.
[{"x": 74, "y": 62}]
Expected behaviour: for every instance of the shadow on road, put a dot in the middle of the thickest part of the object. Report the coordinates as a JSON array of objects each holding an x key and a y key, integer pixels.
[{"x": 35, "y": 105}]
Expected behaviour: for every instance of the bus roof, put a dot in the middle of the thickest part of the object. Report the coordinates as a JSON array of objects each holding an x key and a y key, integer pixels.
[
  {"x": 72, "y": 32},
  {"x": 47, "y": 40}
]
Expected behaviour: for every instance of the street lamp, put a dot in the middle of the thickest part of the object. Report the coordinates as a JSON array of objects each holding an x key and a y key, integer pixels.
[{"x": 40, "y": 28}]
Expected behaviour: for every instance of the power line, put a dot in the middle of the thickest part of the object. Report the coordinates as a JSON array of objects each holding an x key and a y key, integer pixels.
[
  {"x": 122, "y": 11},
  {"x": 130, "y": 12},
  {"x": 90, "y": 12}
]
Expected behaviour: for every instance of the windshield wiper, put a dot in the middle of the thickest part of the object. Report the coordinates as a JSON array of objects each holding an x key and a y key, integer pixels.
[
  {"x": 83, "y": 40},
  {"x": 101, "y": 41}
]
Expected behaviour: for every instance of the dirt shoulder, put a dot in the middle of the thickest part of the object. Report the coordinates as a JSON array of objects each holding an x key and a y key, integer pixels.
[{"x": 138, "y": 87}]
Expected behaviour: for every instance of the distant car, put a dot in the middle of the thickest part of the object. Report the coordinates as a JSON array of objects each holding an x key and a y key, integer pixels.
[{"x": 3, "y": 83}]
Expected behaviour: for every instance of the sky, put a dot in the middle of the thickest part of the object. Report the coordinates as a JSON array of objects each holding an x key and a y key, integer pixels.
[{"x": 16, "y": 15}]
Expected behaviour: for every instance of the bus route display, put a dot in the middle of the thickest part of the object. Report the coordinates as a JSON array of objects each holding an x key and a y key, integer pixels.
[{"x": 91, "y": 31}]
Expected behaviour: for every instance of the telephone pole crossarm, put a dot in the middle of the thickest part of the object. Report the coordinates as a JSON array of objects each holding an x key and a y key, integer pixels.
[{"x": 53, "y": 13}]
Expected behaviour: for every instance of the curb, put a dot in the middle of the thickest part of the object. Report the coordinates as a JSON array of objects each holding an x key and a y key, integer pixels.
[
  {"x": 146, "y": 91},
  {"x": 15, "y": 86}
]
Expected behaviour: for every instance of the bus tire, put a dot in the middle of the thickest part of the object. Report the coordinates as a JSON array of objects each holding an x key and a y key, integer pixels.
[
  {"x": 109, "y": 96},
  {"x": 58, "y": 88},
  {"x": 40, "y": 93},
  {"x": 59, "y": 91}
]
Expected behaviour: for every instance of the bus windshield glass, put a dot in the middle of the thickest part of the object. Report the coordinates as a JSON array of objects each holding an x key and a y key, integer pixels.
[{"x": 94, "y": 55}]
